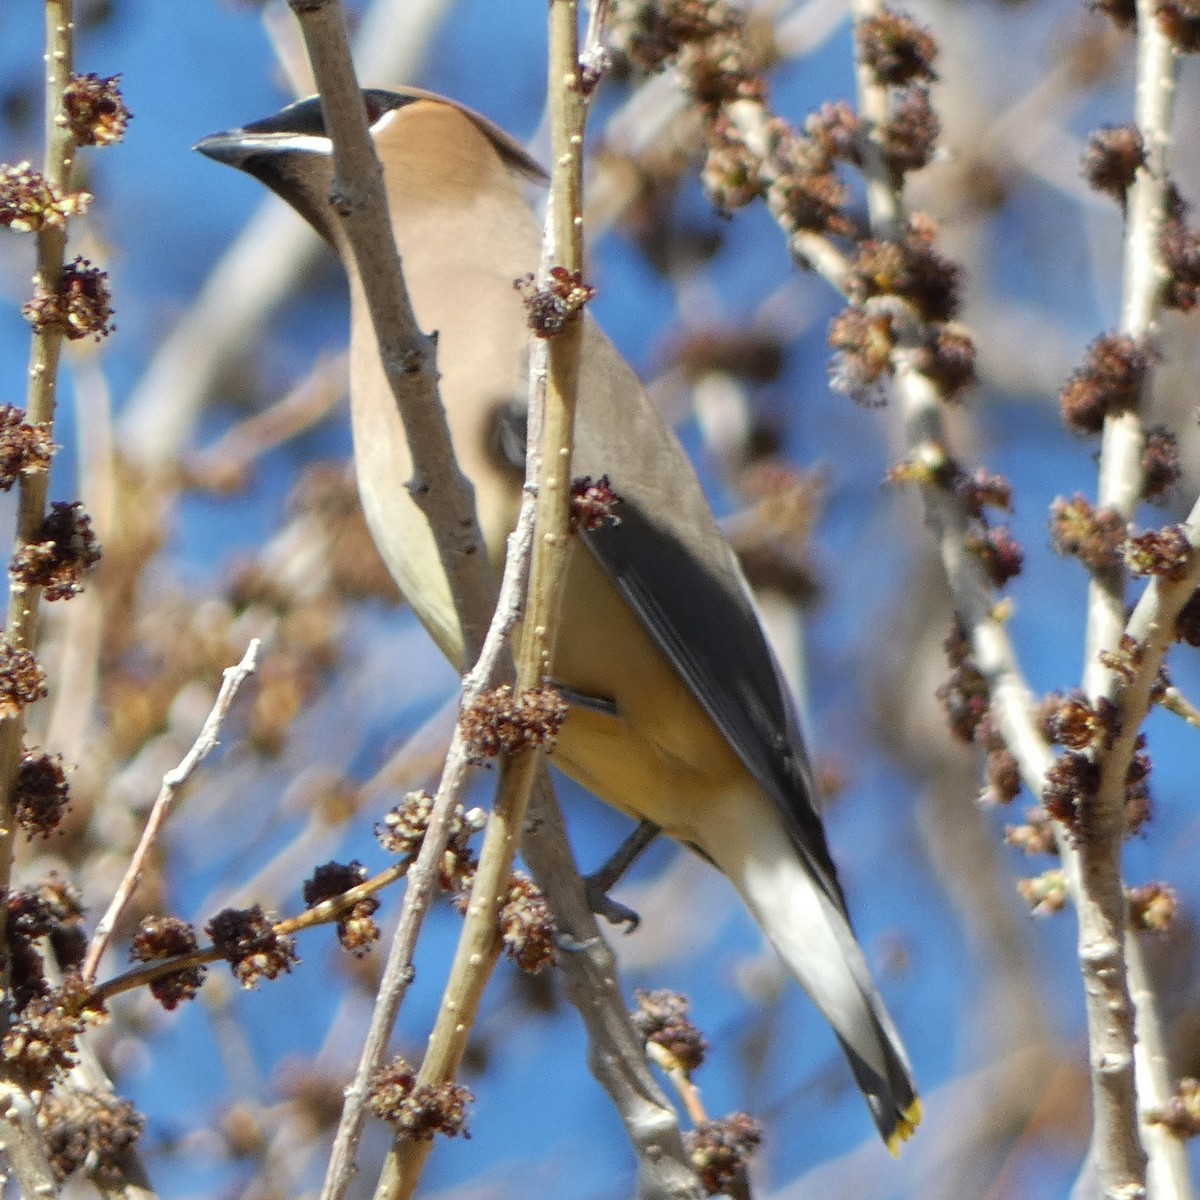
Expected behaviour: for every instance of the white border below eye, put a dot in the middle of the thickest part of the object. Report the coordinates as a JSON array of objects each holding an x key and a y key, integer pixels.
[
  {"x": 301, "y": 143},
  {"x": 385, "y": 118}
]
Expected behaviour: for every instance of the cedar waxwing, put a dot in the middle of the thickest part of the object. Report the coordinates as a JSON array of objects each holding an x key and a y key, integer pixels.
[{"x": 678, "y": 711}]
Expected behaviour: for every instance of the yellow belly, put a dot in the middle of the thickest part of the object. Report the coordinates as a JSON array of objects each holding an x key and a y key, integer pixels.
[{"x": 660, "y": 756}]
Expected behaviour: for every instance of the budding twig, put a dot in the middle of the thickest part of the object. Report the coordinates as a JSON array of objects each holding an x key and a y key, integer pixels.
[{"x": 206, "y": 741}]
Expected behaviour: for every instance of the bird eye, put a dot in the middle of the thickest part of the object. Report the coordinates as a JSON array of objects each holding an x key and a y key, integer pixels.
[{"x": 507, "y": 428}]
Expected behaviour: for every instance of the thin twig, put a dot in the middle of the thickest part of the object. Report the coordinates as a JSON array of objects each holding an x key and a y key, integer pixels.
[
  {"x": 231, "y": 680},
  {"x": 325, "y": 913},
  {"x": 1174, "y": 701},
  {"x": 408, "y": 356},
  {"x": 1117, "y": 1142},
  {"x": 681, "y": 1081},
  {"x": 1092, "y": 865},
  {"x": 21, "y": 1144},
  {"x": 24, "y": 599},
  {"x": 548, "y": 471},
  {"x": 616, "y": 1051},
  {"x": 423, "y": 875},
  {"x": 325, "y": 36},
  {"x": 1168, "y": 1173}
]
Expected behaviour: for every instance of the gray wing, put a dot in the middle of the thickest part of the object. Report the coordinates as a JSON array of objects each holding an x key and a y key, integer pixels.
[
  {"x": 713, "y": 638},
  {"x": 669, "y": 560}
]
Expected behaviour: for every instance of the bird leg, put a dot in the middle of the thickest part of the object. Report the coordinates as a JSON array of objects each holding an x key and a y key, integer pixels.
[{"x": 599, "y": 883}]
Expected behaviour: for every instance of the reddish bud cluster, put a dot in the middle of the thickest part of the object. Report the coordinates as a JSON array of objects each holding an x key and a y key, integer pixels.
[
  {"x": 58, "y": 553},
  {"x": 417, "y": 1110},
  {"x": 51, "y": 910},
  {"x": 41, "y": 1044},
  {"x": 909, "y": 136},
  {"x": 981, "y": 491},
  {"x": 720, "y": 1149},
  {"x": 593, "y": 504},
  {"x": 22, "y": 680},
  {"x": 730, "y": 175},
  {"x": 662, "y": 1017},
  {"x": 96, "y": 1130},
  {"x": 356, "y": 928},
  {"x": 1165, "y": 552},
  {"x": 40, "y": 796},
  {"x": 1137, "y": 790},
  {"x": 964, "y": 695},
  {"x": 27, "y": 201},
  {"x": 1110, "y": 381},
  {"x": 1074, "y": 723},
  {"x": 246, "y": 939},
  {"x": 656, "y": 33},
  {"x": 836, "y": 129},
  {"x": 1094, "y": 536},
  {"x": 80, "y": 307},
  {"x": 863, "y": 340},
  {"x": 1071, "y": 785},
  {"x": 896, "y": 48},
  {"x": 1112, "y": 159},
  {"x": 793, "y": 172},
  {"x": 1160, "y": 464},
  {"x": 1073, "y": 781},
  {"x": 1124, "y": 660},
  {"x": 1003, "y": 777},
  {"x": 96, "y": 111},
  {"x": 501, "y": 722},
  {"x": 330, "y": 880},
  {"x": 526, "y": 925},
  {"x": 911, "y": 269},
  {"x": 947, "y": 357},
  {"x": 703, "y": 39},
  {"x": 402, "y": 830},
  {"x": 24, "y": 448},
  {"x": 160, "y": 938},
  {"x": 549, "y": 308},
  {"x": 1181, "y": 254},
  {"x": 998, "y": 551}
]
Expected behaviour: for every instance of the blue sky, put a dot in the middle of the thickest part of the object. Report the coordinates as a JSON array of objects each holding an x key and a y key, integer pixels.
[{"x": 163, "y": 216}]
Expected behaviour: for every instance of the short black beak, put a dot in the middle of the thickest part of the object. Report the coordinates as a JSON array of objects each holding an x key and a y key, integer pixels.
[{"x": 229, "y": 148}]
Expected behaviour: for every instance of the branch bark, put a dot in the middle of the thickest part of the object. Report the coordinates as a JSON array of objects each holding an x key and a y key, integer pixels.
[{"x": 616, "y": 1049}]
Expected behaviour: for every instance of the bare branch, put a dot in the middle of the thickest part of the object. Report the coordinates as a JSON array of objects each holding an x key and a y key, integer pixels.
[{"x": 206, "y": 741}]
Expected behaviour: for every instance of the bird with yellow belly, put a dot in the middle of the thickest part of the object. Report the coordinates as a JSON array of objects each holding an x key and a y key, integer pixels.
[{"x": 678, "y": 712}]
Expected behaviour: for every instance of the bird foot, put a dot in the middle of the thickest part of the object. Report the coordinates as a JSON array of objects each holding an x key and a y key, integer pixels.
[{"x": 603, "y": 905}]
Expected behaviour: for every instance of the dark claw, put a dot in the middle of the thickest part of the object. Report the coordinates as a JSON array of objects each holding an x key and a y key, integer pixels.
[
  {"x": 604, "y": 880},
  {"x": 603, "y": 905}
]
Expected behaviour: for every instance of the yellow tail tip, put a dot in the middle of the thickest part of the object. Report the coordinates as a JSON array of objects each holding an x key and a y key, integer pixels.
[{"x": 905, "y": 1127}]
